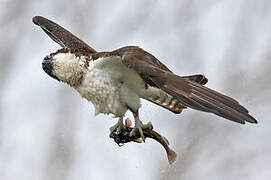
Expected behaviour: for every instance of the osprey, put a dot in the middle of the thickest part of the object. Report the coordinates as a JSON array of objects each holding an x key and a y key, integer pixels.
[{"x": 115, "y": 81}]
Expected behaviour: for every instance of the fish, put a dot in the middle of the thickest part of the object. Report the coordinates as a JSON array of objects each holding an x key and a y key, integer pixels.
[{"x": 122, "y": 136}]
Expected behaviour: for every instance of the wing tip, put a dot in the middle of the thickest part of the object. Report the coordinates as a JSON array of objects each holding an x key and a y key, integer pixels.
[
  {"x": 36, "y": 19},
  {"x": 248, "y": 119},
  {"x": 251, "y": 119}
]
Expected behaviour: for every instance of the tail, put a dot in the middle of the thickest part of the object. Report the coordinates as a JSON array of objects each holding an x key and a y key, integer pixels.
[
  {"x": 199, "y": 97},
  {"x": 166, "y": 101},
  {"x": 170, "y": 103},
  {"x": 171, "y": 155}
]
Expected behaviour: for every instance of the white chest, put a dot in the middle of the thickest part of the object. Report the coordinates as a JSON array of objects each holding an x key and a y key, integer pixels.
[{"x": 111, "y": 87}]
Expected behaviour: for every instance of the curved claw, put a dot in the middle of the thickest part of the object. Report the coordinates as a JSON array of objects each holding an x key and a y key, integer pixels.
[
  {"x": 118, "y": 127},
  {"x": 139, "y": 126},
  {"x": 134, "y": 132}
]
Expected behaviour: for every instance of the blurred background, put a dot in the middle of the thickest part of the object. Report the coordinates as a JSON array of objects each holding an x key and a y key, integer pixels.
[{"x": 47, "y": 131}]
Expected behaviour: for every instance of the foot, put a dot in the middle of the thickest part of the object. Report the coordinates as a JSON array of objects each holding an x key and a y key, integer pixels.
[
  {"x": 139, "y": 127},
  {"x": 117, "y": 128}
]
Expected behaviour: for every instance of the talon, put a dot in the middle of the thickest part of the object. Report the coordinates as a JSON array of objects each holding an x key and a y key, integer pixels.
[
  {"x": 142, "y": 134},
  {"x": 148, "y": 126},
  {"x": 139, "y": 127},
  {"x": 117, "y": 128},
  {"x": 135, "y": 131}
]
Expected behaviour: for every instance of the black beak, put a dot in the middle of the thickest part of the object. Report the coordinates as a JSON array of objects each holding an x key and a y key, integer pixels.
[{"x": 47, "y": 66}]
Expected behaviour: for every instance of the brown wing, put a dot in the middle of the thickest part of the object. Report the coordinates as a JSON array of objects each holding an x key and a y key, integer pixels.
[
  {"x": 62, "y": 36},
  {"x": 170, "y": 103},
  {"x": 189, "y": 93}
]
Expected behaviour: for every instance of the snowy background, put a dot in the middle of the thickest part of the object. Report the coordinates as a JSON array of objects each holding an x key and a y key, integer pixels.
[{"x": 48, "y": 132}]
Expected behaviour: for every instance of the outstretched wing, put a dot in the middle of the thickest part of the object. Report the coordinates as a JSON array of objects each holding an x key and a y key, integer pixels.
[
  {"x": 189, "y": 93},
  {"x": 62, "y": 36}
]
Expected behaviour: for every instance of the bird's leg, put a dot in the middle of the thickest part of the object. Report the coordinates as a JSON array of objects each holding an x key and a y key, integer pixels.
[
  {"x": 119, "y": 126},
  {"x": 139, "y": 126}
]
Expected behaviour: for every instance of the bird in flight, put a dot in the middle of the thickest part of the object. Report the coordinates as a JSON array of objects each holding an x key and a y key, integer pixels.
[{"x": 115, "y": 81}]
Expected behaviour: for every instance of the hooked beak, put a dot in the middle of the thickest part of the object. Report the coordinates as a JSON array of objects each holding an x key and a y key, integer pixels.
[{"x": 47, "y": 66}]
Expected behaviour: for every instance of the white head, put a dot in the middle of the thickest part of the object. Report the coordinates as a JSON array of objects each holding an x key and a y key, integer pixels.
[{"x": 66, "y": 66}]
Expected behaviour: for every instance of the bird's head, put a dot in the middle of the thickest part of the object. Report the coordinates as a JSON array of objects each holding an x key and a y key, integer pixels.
[
  {"x": 65, "y": 66},
  {"x": 68, "y": 64}
]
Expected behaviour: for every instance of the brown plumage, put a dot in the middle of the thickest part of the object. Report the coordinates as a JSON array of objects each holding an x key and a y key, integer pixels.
[
  {"x": 189, "y": 91},
  {"x": 172, "y": 104},
  {"x": 182, "y": 92}
]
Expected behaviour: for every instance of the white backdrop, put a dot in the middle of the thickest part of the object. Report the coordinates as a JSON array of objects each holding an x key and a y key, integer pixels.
[{"x": 48, "y": 132}]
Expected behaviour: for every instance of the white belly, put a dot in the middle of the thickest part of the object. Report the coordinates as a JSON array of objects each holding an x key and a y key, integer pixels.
[{"x": 111, "y": 86}]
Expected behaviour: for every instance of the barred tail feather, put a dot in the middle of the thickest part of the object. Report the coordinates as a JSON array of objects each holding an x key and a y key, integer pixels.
[
  {"x": 201, "y": 98},
  {"x": 168, "y": 102}
]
